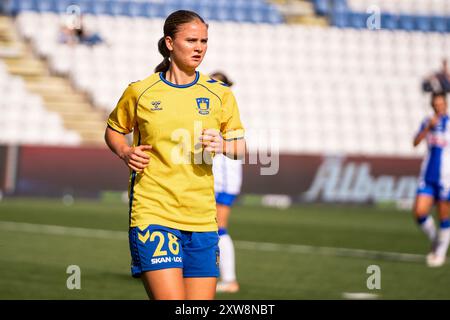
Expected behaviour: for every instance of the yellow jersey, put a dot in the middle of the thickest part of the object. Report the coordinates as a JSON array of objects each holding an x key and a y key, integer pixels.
[{"x": 176, "y": 189}]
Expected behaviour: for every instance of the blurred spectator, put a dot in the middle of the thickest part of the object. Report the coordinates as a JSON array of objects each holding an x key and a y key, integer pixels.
[
  {"x": 3, "y": 6},
  {"x": 73, "y": 33},
  {"x": 67, "y": 35},
  {"x": 438, "y": 82}
]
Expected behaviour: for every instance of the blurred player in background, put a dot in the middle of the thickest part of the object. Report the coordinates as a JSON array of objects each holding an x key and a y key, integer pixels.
[
  {"x": 439, "y": 81},
  {"x": 173, "y": 230},
  {"x": 434, "y": 181},
  {"x": 227, "y": 186}
]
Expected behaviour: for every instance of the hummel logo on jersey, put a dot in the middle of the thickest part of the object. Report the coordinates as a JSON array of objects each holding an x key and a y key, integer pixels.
[{"x": 156, "y": 106}]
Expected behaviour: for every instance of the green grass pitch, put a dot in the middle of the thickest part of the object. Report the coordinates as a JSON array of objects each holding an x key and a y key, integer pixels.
[{"x": 280, "y": 254}]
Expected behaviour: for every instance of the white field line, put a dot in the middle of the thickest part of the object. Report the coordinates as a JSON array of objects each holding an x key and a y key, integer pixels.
[
  {"x": 62, "y": 231},
  {"x": 360, "y": 296},
  {"x": 330, "y": 251},
  {"x": 243, "y": 245}
]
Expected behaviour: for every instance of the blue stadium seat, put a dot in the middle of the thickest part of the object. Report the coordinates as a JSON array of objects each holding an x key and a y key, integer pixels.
[
  {"x": 86, "y": 6},
  {"x": 133, "y": 9},
  {"x": 252, "y": 11},
  {"x": 407, "y": 22},
  {"x": 221, "y": 3},
  {"x": 115, "y": 8},
  {"x": 340, "y": 6},
  {"x": 358, "y": 20},
  {"x": 239, "y": 3},
  {"x": 60, "y": 6},
  {"x": 202, "y": 3},
  {"x": 239, "y": 14},
  {"x": 16, "y": 6},
  {"x": 45, "y": 5},
  {"x": 256, "y": 4},
  {"x": 30, "y": 5},
  {"x": 187, "y": 5},
  {"x": 168, "y": 8},
  {"x": 257, "y": 15},
  {"x": 322, "y": 7},
  {"x": 63, "y": 6},
  {"x": 340, "y": 19},
  {"x": 224, "y": 13},
  {"x": 207, "y": 12},
  {"x": 100, "y": 7},
  {"x": 389, "y": 21},
  {"x": 423, "y": 23},
  {"x": 257, "y": 11},
  {"x": 273, "y": 16},
  {"x": 440, "y": 24},
  {"x": 152, "y": 10},
  {"x": 175, "y": 3}
]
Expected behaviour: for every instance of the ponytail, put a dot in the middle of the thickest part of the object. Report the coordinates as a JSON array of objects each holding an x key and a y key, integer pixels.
[{"x": 164, "y": 51}]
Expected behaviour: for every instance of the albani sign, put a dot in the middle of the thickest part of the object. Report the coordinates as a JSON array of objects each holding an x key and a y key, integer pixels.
[{"x": 338, "y": 179}]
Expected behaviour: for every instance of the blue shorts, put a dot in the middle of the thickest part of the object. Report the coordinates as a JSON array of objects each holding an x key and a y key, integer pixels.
[
  {"x": 157, "y": 247},
  {"x": 435, "y": 190},
  {"x": 225, "y": 199}
]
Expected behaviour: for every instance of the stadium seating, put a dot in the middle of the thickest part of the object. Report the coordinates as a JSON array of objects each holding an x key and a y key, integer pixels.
[
  {"x": 258, "y": 11},
  {"x": 412, "y": 7},
  {"x": 319, "y": 89},
  {"x": 409, "y": 15},
  {"x": 24, "y": 120}
]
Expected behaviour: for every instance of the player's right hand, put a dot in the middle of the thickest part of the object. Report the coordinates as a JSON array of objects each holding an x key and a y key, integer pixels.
[{"x": 136, "y": 158}]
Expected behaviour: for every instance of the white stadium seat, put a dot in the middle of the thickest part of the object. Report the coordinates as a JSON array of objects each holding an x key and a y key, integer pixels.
[{"x": 24, "y": 120}]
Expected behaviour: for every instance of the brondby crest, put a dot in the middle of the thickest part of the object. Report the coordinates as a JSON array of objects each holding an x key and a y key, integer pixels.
[{"x": 203, "y": 105}]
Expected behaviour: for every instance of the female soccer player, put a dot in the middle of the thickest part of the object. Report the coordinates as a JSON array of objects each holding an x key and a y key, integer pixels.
[
  {"x": 434, "y": 181},
  {"x": 227, "y": 186},
  {"x": 179, "y": 119}
]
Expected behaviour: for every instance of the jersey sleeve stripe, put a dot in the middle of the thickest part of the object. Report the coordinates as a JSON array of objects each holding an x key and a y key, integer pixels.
[
  {"x": 233, "y": 134},
  {"x": 110, "y": 125},
  {"x": 233, "y": 139}
]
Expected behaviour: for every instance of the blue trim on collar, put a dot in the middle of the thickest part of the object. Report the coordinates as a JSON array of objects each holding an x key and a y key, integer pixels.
[{"x": 197, "y": 76}]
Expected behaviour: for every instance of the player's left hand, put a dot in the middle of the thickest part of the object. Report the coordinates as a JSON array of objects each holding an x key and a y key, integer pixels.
[{"x": 212, "y": 140}]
